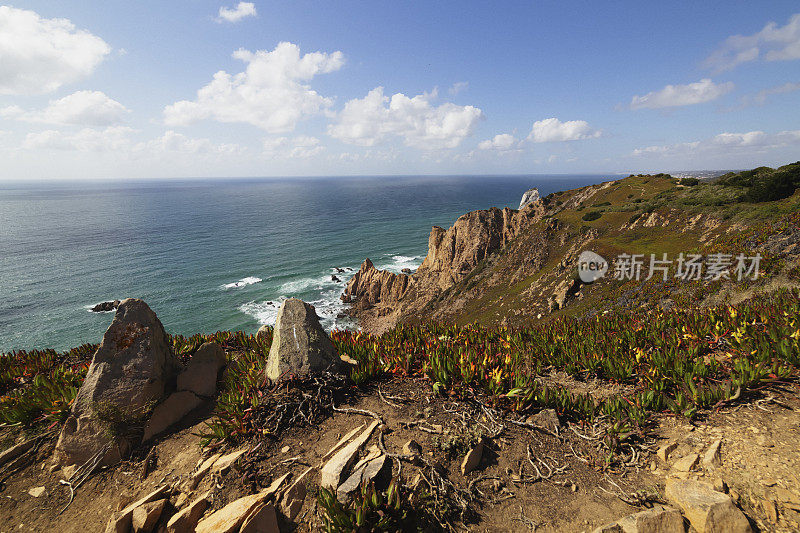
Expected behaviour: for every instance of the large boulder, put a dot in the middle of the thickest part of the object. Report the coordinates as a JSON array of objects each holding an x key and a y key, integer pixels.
[
  {"x": 299, "y": 344},
  {"x": 708, "y": 511},
  {"x": 127, "y": 377},
  {"x": 200, "y": 376}
]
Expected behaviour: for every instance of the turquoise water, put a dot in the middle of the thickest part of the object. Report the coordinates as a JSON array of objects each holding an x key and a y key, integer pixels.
[{"x": 209, "y": 255}]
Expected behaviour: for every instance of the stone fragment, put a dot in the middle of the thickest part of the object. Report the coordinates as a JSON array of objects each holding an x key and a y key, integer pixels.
[
  {"x": 225, "y": 462},
  {"x": 230, "y": 517},
  {"x": 344, "y": 440},
  {"x": 706, "y": 509},
  {"x": 185, "y": 520},
  {"x": 122, "y": 521},
  {"x": 771, "y": 509},
  {"x": 200, "y": 376},
  {"x": 712, "y": 458},
  {"x": 264, "y": 331},
  {"x": 659, "y": 519},
  {"x": 546, "y": 419},
  {"x": 372, "y": 470},
  {"x": 412, "y": 447},
  {"x": 609, "y": 528},
  {"x": 686, "y": 464},
  {"x": 335, "y": 469},
  {"x": 665, "y": 450},
  {"x": 145, "y": 517},
  {"x": 170, "y": 412},
  {"x": 202, "y": 470},
  {"x": 472, "y": 459},
  {"x": 128, "y": 373},
  {"x": 299, "y": 344},
  {"x": 293, "y": 497},
  {"x": 262, "y": 519},
  {"x": 36, "y": 491}
]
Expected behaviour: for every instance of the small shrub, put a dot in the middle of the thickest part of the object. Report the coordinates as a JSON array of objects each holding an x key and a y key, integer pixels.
[
  {"x": 689, "y": 182},
  {"x": 592, "y": 215}
]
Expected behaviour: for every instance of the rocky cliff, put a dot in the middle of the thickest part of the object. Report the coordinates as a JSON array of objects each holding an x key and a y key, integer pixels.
[
  {"x": 452, "y": 255},
  {"x": 506, "y": 266}
]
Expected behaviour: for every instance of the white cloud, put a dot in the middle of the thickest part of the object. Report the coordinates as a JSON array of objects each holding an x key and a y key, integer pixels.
[
  {"x": 553, "y": 130},
  {"x": 699, "y": 92},
  {"x": 235, "y": 14},
  {"x": 40, "y": 55},
  {"x": 172, "y": 141},
  {"x": 458, "y": 87},
  {"x": 116, "y": 138},
  {"x": 370, "y": 120},
  {"x": 301, "y": 147},
  {"x": 761, "y": 97},
  {"x": 772, "y": 43},
  {"x": 269, "y": 94},
  {"x": 726, "y": 143},
  {"x": 502, "y": 142},
  {"x": 83, "y": 108}
]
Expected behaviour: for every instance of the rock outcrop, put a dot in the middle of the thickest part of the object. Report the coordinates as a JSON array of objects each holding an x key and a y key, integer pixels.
[
  {"x": 452, "y": 255},
  {"x": 127, "y": 376},
  {"x": 370, "y": 286},
  {"x": 299, "y": 344},
  {"x": 530, "y": 196},
  {"x": 104, "y": 307}
]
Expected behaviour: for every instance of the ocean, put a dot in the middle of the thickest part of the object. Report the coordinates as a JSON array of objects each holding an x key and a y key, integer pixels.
[{"x": 211, "y": 255}]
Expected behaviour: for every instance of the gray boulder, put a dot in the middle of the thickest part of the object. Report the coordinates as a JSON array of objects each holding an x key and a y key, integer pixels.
[
  {"x": 127, "y": 377},
  {"x": 200, "y": 376},
  {"x": 299, "y": 344}
]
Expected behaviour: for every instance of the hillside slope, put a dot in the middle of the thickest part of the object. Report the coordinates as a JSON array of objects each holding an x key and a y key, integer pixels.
[{"x": 516, "y": 267}]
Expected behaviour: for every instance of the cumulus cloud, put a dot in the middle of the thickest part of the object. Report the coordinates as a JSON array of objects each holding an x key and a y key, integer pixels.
[
  {"x": 270, "y": 94},
  {"x": 40, "y": 55},
  {"x": 502, "y": 142},
  {"x": 301, "y": 147},
  {"x": 235, "y": 14},
  {"x": 115, "y": 138},
  {"x": 370, "y": 120},
  {"x": 726, "y": 143},
  {"x": 84, "y": 108},
  {"x": 772, "y": 43},
  {"x": 553, "y": 130},
  {"x": 699, "y": 92}
]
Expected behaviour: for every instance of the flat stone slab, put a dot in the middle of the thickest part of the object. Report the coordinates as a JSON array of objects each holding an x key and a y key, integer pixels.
[{"x": 707, "y": 510}]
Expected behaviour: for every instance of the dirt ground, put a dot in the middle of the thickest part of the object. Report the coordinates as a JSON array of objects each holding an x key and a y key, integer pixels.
[{"x": 760, "y": 453}]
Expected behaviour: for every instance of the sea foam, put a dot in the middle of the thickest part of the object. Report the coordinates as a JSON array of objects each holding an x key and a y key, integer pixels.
[{"x": 242, "y": 283}]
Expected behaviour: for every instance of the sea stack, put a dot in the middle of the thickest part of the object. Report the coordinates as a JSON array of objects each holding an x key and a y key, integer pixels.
[{"x": 299, "y": 344}]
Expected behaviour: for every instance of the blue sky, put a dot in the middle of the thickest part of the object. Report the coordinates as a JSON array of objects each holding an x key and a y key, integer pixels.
[{"x": 207, "y": 88}]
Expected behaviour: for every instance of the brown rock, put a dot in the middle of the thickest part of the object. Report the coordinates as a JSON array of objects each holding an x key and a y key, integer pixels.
[
  {"x": 261, "y": 520},
  {"x": 659, "y": 519},
  {"x": 145, "y": 517},
  {"x": 201, "y": 471},
  {"x": 686, "y": 464},
  {"x": 334, "y": 470},
  {"x": 185, "y": 520},
  {"x": 121, "y": 522},
  {"x": 665, "y": 450},
  {"x": 292, "y": 500},
  {"x": 373, "y": 470},
  {"x": 170, "y": 412},
  {"x": 374, "y": 286},
  {"x": 707, "y": 510},
  {"x": 712, "y": 458},
  {"x": 546, "y": 419},
  {"x": 412, "y": 447},
  {"x": 225, "y": 462},
  {"x": 128, "y": 373},
  {"x": 299, "y": 344},
  {"x": 230, "y": 517},
  {"x": 472, "y": 459},
  {"x": 200, "y": 376}
]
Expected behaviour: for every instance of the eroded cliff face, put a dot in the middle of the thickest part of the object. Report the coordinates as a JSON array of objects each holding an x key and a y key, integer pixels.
[{"x": 452, "y": 255}]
